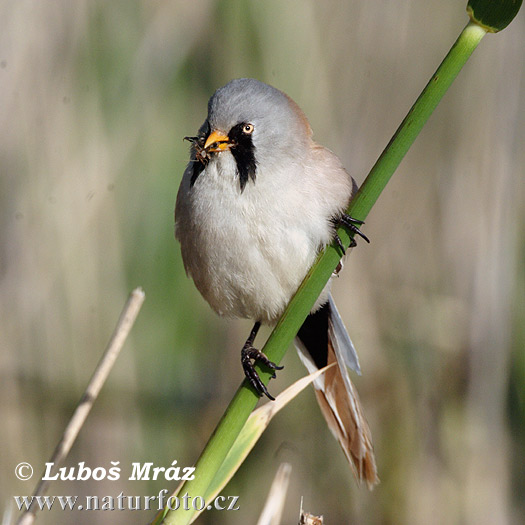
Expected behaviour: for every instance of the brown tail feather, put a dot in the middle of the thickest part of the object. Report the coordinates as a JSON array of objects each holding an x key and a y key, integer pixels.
[
  {"x": 336, "y": 395},
  {"x": 343, "y": 413}
]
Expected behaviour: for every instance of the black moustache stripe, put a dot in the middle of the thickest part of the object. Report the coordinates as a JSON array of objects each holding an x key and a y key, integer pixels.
[
  {"x": 246, "y": 164},
  {"x": 196, "y": 170},
  {"x": 243, "y": 152}
]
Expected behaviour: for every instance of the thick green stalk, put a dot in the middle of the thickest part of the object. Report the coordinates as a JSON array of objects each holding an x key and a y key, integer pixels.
[{"x": 245, "y": 400}]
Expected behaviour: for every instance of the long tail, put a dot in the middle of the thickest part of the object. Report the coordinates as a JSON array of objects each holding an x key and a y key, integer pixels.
[{"x": 322, "y": 340}]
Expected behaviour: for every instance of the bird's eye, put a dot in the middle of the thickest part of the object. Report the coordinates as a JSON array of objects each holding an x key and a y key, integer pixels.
[{"x": 247, "y": 129}]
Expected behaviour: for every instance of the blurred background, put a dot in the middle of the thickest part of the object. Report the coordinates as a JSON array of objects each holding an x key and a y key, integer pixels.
[{"x": 95, "y": 99}]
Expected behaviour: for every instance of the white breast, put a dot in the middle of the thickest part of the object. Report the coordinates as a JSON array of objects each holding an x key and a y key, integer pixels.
[{"x": 248, "y": 252}]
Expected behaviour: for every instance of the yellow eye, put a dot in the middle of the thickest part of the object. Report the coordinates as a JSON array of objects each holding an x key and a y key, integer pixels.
[{"x": 248, "y": 129}]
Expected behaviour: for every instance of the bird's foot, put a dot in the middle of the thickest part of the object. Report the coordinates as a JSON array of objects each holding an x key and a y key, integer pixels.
[
  {"x": 251, "y": 355},
  {"x": 351, "y": 224}
]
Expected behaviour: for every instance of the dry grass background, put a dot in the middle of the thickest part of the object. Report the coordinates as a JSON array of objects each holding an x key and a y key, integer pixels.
[{"x": 95, "y": 98}]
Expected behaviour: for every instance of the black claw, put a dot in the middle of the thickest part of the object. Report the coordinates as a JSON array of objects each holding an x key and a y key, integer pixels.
[
  {"x": 250, "y": 356},
  {"x": 353, "y": 225},
  {"x": 339, "y": 243}
]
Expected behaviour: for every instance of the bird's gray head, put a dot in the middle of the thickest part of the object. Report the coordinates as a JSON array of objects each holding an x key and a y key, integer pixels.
[{"x": 254, "y": 122}]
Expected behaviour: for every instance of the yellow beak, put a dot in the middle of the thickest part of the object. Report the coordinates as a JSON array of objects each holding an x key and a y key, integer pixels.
[{"x": 218, "y": 140}]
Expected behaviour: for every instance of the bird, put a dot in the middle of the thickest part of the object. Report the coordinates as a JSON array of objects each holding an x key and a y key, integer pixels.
[{"x": 258, "y": 201}]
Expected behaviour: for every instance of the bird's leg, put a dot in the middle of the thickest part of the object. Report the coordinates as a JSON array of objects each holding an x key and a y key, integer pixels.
[
  {"x": 353, "y": 225},
  {"x": 251, "y": 355}
]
